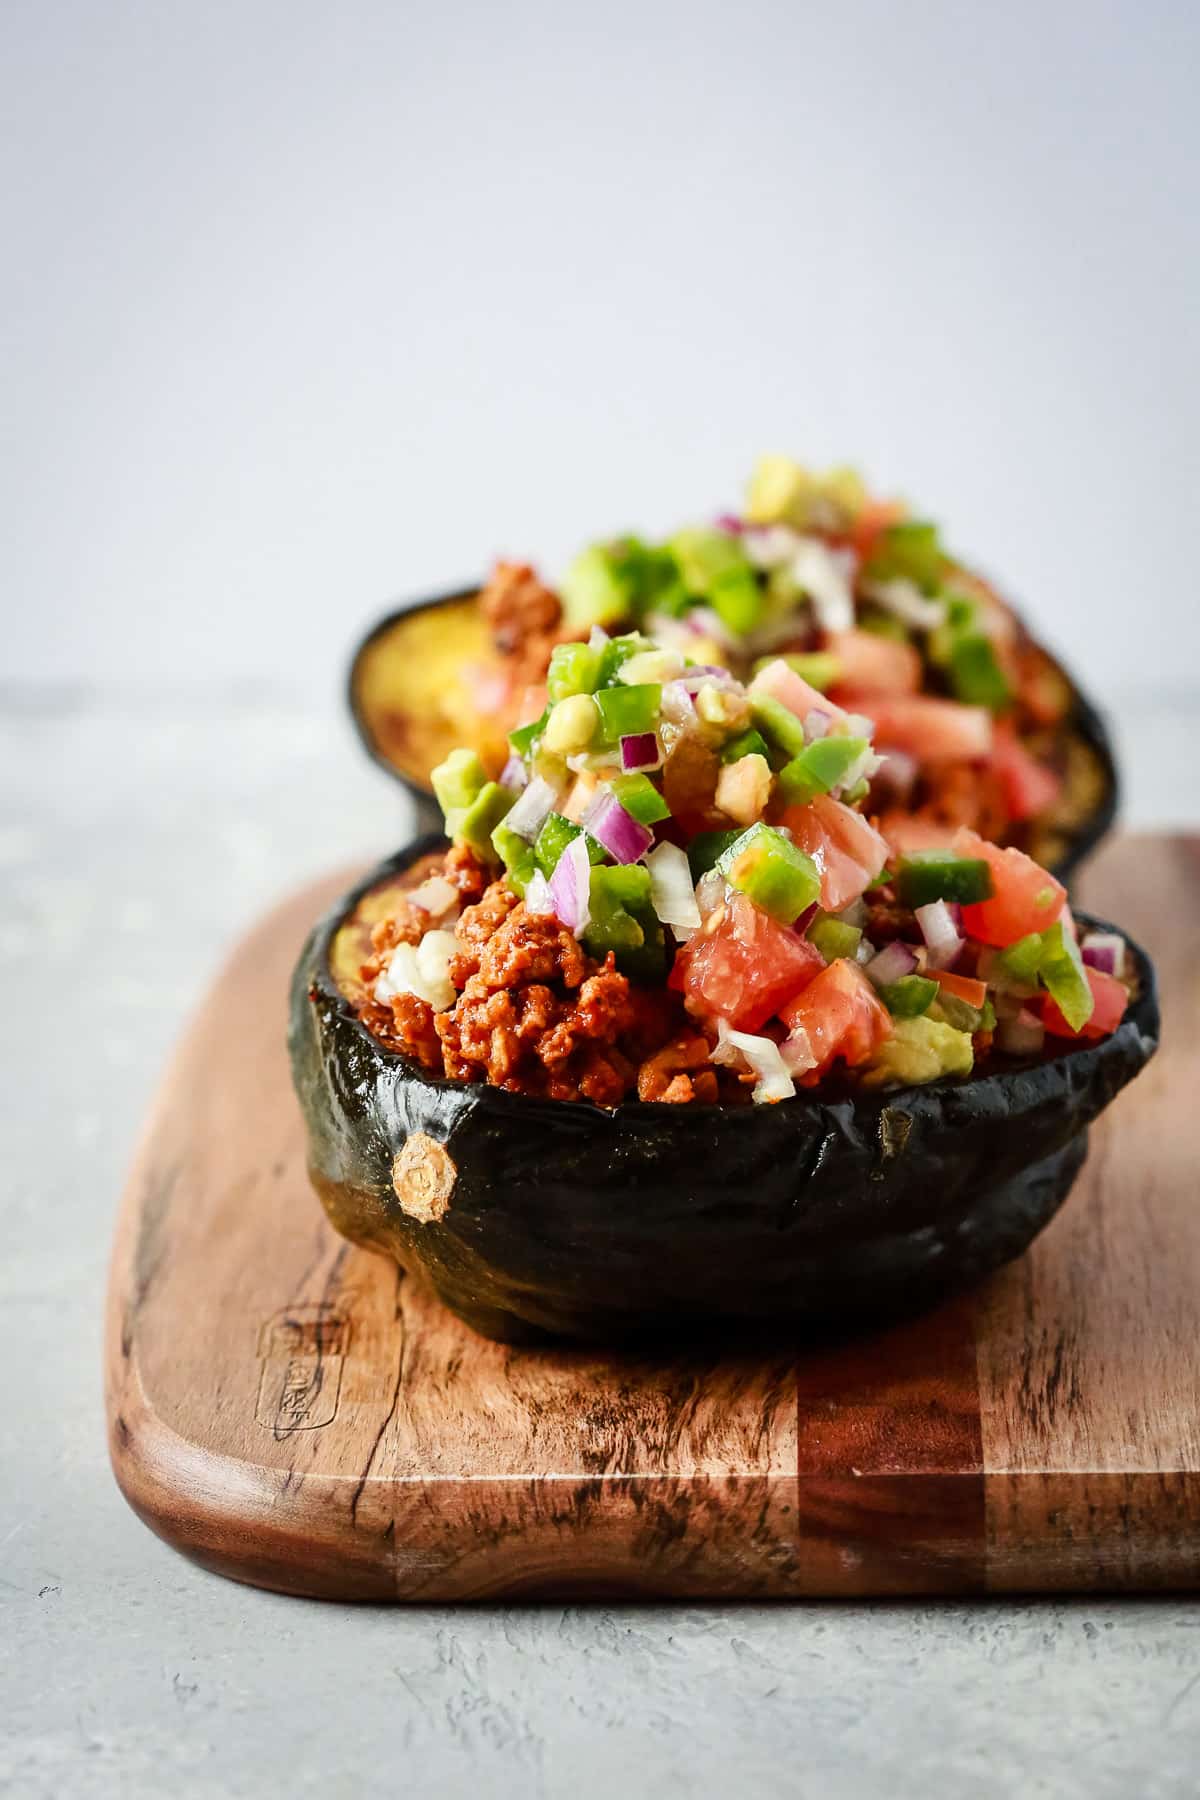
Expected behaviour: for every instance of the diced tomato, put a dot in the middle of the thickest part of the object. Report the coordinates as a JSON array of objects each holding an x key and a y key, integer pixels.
[
  {"x": 1110, "y": 998},
  {"x": 963, "y": 987},
  {"x": 1025, "y": 897},
  {"x": 746, "y": 969},
  {"x": 1028, "y": 786},
  {"x": 849, "y": 853},
  {"x": 929, "y": 729},
  {"x": 842, "y": 1015},
  {"x": 871, "y": 524},
  {"x": 871, "y": 664},
  {"x": 906, "y": 832},
  {"x": 782, "y": 683}
]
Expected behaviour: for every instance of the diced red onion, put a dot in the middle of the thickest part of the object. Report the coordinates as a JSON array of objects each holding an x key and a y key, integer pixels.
[
  {"x": 597, "y": 638},
  {"x": 514, "y": 773},
  {"x": 893, "y": 963},
  {"x": 671, "y": 892},
  {"x": 538, "y": 898},
  {"x": 640, "y": 750},
  {"x": 1022, "y": 1035},
  {"x": 730, "y": 523},
  {"x": 858, "y": 725},
  {"x": 625, "y": 838},
  {"x": 677, "y": 705},
  {"x": 1105, "y": 951},
  {"x": 864, "y": 952},
  {"x": 693, "y": 679},
  {"x": 816, "y": 723},
  {"x": 570, "y": 885},
  {"x": 801, "y": 925},
  {"x": 528, "y": 814},
  {"x": 941, "y": 923}
]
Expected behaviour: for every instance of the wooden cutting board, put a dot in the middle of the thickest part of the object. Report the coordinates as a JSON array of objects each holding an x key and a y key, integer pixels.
[{"x": 297, "y": 1413}]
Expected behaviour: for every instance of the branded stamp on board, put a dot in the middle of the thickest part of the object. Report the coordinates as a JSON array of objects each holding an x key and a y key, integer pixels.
[{"x": 302, "y": 1351}]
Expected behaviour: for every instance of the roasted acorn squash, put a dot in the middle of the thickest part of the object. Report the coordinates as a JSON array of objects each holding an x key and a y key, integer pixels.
[{"x": 538, "y": 1220}]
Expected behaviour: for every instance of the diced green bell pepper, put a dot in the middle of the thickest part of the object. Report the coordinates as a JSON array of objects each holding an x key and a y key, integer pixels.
[
  {"x": 884, "y": 625},
  {"x": 625, "y": 711},
  {"x": 622, "y": 919},
  {"x": 975, "y": 674},
  {"x": 909, "y": 997},
  {"x": 707, "y": 848},
  {"x": 781, "y": 728},
  {"x": 746, "y": 743},
  {"x": 929, "y": 875},
  {"x": 574, "y": 669},
  {"x": 820, "y": 767},
  {"x": 738, "y": 599},
  {"x": 909, "y": 550},
  {"x": 475, "y": 823},
  {"x": 516, "y": 853},
  {"x": 703, "y": 553},
  {"x": 1064, "y": 977},
  {"x": 949, "y": 1009},
  {"x": 553, "y": 838},
  {"x": 833, "y": 937},
  {"x": 640, "y": 798},
  {"x": 770, "y": 870},
  {"x": 523, "y": 737},
  {"x": 1020, "y": 962}
]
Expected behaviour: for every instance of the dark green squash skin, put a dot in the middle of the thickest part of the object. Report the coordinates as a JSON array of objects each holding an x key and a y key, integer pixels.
[
  {"x": 567, "y": 1221},
  {"x": 1085, "y": 722}
]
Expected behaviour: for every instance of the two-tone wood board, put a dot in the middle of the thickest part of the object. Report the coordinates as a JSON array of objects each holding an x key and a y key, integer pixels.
[{"x": 297, "y": 1413}]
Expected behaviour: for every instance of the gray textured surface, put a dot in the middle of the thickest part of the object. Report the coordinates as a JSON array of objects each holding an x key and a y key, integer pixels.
[{"x": 133, "y": 841}]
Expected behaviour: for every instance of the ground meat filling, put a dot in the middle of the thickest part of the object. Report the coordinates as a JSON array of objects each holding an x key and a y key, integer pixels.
[
  {"x": 525, "y": 620},
  {"x": 534, "y": 1013}
]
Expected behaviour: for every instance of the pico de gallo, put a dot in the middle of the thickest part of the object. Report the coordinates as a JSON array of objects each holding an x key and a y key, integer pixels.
[
  {"x": 862, "y": 599},
  {"x": 677, "y": 890}
]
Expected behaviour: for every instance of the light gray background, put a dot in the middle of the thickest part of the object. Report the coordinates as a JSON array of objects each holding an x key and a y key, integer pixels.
[
  {"x": 310, "y": 304},
  {"x": 304, "y": 306}
]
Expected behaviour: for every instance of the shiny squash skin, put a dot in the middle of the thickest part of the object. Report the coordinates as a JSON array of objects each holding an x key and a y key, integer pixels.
[{"x": 539, "y": 1220}]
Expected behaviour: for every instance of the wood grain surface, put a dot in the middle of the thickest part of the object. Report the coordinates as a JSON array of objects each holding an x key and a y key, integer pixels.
[{"x": 297, "y": 1413}]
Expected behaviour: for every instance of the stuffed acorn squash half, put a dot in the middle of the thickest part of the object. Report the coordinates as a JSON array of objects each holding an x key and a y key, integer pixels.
[
  {"x": 667, "y": 1034},
  {"x": 981, "y": 725}
]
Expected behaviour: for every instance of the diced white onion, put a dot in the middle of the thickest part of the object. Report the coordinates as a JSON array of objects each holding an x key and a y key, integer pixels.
[
  {"x": 770, "y": 546},
  {"x": 826, "y": 576},
  {"x": 939, "y": 928},
  {"x": 538, "y": 899},
  {"x": 437, "y": 896},
  {"x": 671, "y": 892},
  {"x": 761, "y": 1054},
  {"x": 528, "y": 814},
  {"x": 905, "y": 601}
]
